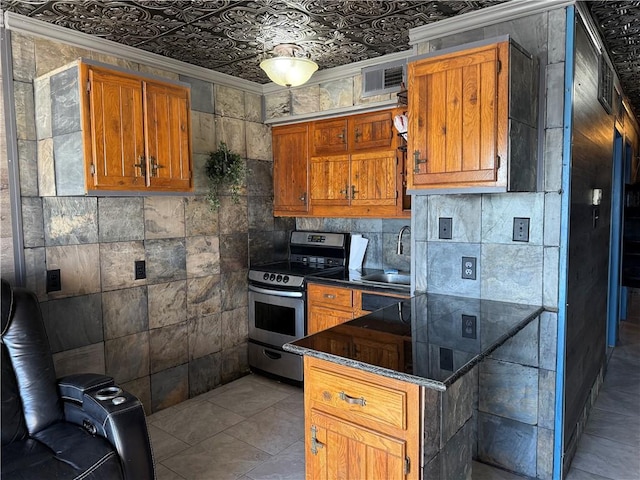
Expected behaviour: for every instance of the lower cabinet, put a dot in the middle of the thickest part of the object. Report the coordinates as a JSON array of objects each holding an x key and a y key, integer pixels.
[
  {"x": 359, "y": 425},
  {"x": 328, "y": 306}
]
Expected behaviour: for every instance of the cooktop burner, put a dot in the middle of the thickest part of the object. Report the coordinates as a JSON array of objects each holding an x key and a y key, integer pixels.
[{"x": 310, "y": 253}]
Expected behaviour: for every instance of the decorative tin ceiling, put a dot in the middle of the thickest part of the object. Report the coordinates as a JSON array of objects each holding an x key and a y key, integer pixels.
[{"x": 233, "y": 36}]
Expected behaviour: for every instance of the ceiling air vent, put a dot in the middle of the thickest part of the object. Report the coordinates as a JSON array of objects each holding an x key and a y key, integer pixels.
[{"x": 383, "y": 78}]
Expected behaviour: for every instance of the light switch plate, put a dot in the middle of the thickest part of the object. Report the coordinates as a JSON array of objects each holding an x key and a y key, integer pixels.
[{"x": 445, "y": 225}]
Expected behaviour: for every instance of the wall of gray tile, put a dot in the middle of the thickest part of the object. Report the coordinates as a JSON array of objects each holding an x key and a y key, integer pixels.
[
  {"x": 183, "y": 329},
  {"x": 482, "y": 227}
]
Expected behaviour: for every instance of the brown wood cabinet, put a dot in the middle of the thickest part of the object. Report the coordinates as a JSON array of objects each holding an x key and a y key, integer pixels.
[
  {"x": 359, "y": 425},
  {"x": 136, "y": 132},
  {"x": 352, "y": 133},
  {"x": 463, "y": 107},
  {"x": 291, "y": 169},
  {"x": 353, "y": 168},
  {"x": 328, "y": 306}
]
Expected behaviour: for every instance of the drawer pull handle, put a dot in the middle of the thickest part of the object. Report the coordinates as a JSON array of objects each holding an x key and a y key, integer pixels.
[
  {"x": 352, "y": 400},
  {"x": 329, "y": 295}
]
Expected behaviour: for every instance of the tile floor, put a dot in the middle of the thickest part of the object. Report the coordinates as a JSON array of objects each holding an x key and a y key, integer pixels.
[
  {"x": 610, "y": 445},
  {"x": 253, "y": 428}
]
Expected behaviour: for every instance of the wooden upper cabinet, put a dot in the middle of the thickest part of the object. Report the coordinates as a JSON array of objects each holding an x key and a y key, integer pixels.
[
  {"x": 167, "y": 132},
  {"x": 329, "y": 137},
  {"x": 137, "y": 132},
  {"x": 353, "y": 167},
  {"x": 456, "y": 126},
  {"x": 371, "y": 130},
  {"x": 116, "y": 137},
  {"x": 290, "y": 169},
  {"x": 352, "y": 134},
  {"x": 460, "y": 118}
]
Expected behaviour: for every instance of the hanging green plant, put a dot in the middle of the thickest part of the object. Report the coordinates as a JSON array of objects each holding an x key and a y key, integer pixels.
[{"x": 224, "y": 169}]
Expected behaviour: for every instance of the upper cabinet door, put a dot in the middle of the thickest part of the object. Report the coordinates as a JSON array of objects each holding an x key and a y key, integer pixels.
[
  {"x": 114, "y": 143},
  {"x": 458, "y": 117},
  {"x": 290, "y": 169},
  {"x": 167, "y": 136},
  {"x": 136, "y": 133},
  {"x": 329, "y": 137},
  {"x": 372, "y": 130}
]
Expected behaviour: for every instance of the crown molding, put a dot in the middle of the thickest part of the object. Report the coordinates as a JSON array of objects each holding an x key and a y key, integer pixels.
[
  {"x": 49, "y": 31},
  {"x": 503, "y": 12}
]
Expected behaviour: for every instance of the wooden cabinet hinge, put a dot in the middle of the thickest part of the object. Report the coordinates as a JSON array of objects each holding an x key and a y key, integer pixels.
[
  {"x": 93, "y": 170},
  {"x": 497, "y": 162},
  {"x": 407, "y": 465}
]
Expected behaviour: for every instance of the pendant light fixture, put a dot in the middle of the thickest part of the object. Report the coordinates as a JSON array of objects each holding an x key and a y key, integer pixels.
[{"x": 286, "y": 68}]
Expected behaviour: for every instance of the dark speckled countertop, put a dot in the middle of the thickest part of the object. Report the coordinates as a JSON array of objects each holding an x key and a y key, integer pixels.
[{"x": 429, "y": 339}]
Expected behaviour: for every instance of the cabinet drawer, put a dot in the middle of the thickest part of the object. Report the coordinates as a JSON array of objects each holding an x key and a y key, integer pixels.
[
  {"x": 330, "y": 296},
  {"x": 356, "y": 400}
]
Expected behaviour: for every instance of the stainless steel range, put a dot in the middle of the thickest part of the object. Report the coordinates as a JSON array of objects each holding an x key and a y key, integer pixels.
[{"x": 277, "y": 299}]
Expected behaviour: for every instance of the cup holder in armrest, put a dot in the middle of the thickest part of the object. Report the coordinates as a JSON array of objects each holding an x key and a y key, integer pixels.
[{"x": 108, "y": 393}]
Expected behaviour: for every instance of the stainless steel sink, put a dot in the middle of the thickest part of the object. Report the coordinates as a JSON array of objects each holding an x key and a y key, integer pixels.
[{"x": 399, "y": 279}]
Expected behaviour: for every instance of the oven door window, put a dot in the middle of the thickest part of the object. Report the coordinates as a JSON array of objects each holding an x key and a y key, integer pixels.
[{"x": 275, "y": 318}]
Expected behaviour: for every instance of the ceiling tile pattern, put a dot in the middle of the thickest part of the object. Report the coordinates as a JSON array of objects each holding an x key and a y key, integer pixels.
[
  {"x": 619, "y": 23},
  {"x": 232, "y": 37}
]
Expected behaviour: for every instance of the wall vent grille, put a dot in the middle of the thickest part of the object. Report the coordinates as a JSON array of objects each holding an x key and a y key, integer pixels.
[{"x": 385, "y": 78}]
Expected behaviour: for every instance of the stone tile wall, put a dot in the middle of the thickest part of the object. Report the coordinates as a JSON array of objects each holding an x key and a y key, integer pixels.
[
  {"x": 183, "y": 329},
  {"x": 521, "y": 372},
  {"x": 482, "y": 228},
  {"x": 516, "y": 401}
]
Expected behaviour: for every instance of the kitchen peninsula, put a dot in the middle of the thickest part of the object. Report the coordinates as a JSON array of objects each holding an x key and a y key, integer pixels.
[{"x": 392, "y": 394}]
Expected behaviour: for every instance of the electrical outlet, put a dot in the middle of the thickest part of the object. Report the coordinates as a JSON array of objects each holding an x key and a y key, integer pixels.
[
  {"x": 520, "y": 229},
  {"x": 469, "y": 326},
  {"x": 140, "y": 269},
  {"x": 469, "y": 268},
  {"x": 54, "y": 284},
  {"x": 444, "y": 228}
]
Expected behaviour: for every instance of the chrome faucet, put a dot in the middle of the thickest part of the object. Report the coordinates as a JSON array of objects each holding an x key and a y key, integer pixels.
[{"x": 400, "y": 247}]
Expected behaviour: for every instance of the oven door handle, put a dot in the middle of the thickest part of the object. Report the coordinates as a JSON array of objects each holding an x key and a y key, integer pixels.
[{"x": 276, "y": 293}]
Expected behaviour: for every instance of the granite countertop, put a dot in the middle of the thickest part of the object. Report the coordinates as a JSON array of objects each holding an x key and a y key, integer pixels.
[{"x": 429, "y": 339}]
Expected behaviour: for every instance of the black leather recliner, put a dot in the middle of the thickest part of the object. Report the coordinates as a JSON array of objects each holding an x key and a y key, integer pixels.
[{"x": 81, "y": 426}]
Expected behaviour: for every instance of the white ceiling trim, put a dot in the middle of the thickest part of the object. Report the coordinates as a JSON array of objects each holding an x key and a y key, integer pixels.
[
  {"x": 28, "y": 25},
  {"x": 503, "y": 12}
]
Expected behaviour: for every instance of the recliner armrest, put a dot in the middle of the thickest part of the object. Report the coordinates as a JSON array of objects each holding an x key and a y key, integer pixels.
[
  {"x": 118, "y": 416},
  {"x": 73, "y": 387}
]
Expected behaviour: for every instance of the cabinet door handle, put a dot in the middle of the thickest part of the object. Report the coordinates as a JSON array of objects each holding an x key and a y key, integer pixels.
[
  {"x": 154, "y": 166},
  {"x": 417, "y": 161},
  {"x": 315, "y": 444},
  {"x": 342, "y": 135},
  {"x": 352, "y": 400},
  {"x": 329, "y": 295},
  {"x": 303, "y": 198},
  {"x": 345, "y": 192},
  {"x": 142, "y": 165},
  {"x": 353, "y": 192},
  {"x": 357, "y": 135}
]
